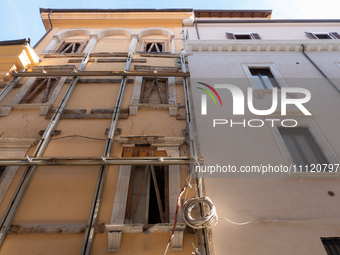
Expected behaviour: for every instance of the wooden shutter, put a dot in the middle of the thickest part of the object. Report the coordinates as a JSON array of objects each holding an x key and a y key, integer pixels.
[
  {"x": 335, "y": 35},
  {"x": 311, "y": 35},
  {"x": 230, "y": 36},
  {"x": 59, "y": 47},
  {"x": 255, "y": 36},
  {"x": 82, "y": 46}
]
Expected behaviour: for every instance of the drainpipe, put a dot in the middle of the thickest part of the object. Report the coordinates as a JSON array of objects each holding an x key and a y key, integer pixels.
[
  {"x": 304, "y": 53},
  {"x": 49, "y": 19},
  {"x": 198, "y": 35}
]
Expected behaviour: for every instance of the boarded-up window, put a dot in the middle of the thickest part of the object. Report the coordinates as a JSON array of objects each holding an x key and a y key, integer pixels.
[
  {"x": 40, "y": 91},
  {"x": 154, "y": 91},
  {"x": 70, "y": 47},
  {"x": 154, "y": 45},
  {"x": 148, "y": 195}
]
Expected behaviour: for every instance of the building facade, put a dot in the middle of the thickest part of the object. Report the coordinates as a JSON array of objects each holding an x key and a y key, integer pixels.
[
  {"x": 281, "y": 212},
  {"x": 131, "y": 115}
]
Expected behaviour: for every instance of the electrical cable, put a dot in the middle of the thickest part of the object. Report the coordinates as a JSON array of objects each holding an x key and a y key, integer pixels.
[
  {"x": 80, "y": 136},
  {"x": 208, "y": 220}
]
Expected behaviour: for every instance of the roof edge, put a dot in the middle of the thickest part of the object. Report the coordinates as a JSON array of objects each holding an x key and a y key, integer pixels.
[
  {"x": 16, "y": 42},
  {"x": 117, "y": 10}
]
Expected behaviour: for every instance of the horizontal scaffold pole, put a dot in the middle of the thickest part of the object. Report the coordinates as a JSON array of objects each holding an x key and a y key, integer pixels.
[
  {"x": 99, "y": 73},
  {"x": 58, "y": 161}
]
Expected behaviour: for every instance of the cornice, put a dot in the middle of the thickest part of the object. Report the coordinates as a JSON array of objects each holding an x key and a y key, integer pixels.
[{"x": 218, "y": 46}]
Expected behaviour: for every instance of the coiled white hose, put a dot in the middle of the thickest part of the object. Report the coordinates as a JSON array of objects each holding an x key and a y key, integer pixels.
[{"x": 208, "y": 220}]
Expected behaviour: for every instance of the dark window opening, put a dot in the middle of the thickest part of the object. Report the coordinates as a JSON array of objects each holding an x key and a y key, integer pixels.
[
  {"x": 323, "y": 36},
  {"x": 302, "y": 146},
  {"x": 70, "y": 48},
  {"x": 154, "y": 47},
  {"x": 264, "y": 78},
  {"x": 154, "y": 214},
  {"x": 241, "y": 37},
  {"x": 148, "y": 199},
  {"x": 2, "y": 170},
  {"x": 332, "y": 245}
]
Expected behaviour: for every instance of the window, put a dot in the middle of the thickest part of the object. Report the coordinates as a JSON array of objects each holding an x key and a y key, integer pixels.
[
  {"x": 320, "y": 36},
  {"x": 40, "y": 91},
  {"x": 70, "y": 47},
  {"x": 264, "y": 79},
  {"x": 245, "y": 36},
  {"x": 154, "y": 45},
  {"x": 331, "y": 244},
  {"x": 302, "y": 147},
  {"x": 148, "y": 194},
  {"x": 154, "y": 91}
]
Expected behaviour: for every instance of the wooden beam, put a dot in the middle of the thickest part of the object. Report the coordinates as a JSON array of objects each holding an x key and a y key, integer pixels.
[
  {"x": 112, "y": 60},
  {"x": 55, "y": 132},
  {"x": 100, "y": 80},
  {"x": 67, "y": 228},
  {"x": 166, "y": 193},
  {"x": 100, "y": 73},
  {"x": 158, "y": 195},
  {"x": 118, "y": 131},
  {"x": 78, "y": 60},
  {"x": 156, "y": 68},
  {"x": 158, "y": 55},
  {"x": 146, "y": 171},
  {"x": 79, "y": 55},
  {"x": 130, "y": 192}
]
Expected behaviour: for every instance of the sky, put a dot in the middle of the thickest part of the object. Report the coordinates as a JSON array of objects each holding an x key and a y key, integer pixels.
[{"x": 21, "y": 18}]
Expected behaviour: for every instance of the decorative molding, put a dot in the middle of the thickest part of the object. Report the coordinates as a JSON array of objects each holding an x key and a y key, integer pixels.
[
  {"x": 18, "y": 143},
  {"x": 218, "y": 46},
  {"x": 177, "y": 241},
  {"x": 71, "y": 32}
]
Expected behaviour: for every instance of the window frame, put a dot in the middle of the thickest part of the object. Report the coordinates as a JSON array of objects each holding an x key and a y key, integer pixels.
[
  {"x": 165, "y": 45},
  {"x": 154, "y": 82},
  {"x": 317, "y": 135},
  {"x": 60, "y": 47},
  {"x": 137, "y": 91},
  {"x": 252, "y": 36},
  {"x": 314, "y": 35},
  {"x": 44, "y": 107},
  {"x": 312, "y": 143},
  {"x": 11, "y": 148},
  {"x": 326, "y": 245},
  {"x": 258, "y": 92},
  {"x": 273, "y": 82}
]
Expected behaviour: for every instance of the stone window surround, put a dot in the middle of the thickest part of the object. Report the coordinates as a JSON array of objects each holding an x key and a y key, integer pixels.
[
  {"x": 12, "y": 148},
  {"x": 117, "y": 224},
  {"x": 137, "y": 89},
  {"x": 275, "y": 72},
  {"x": 303, "y": 121},
  {"x": 44, "y": 107}
]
